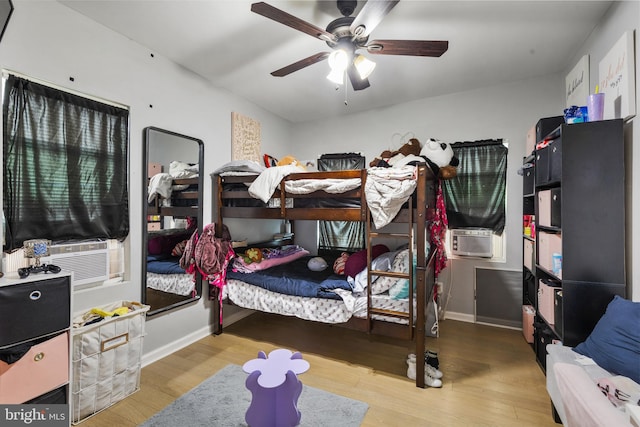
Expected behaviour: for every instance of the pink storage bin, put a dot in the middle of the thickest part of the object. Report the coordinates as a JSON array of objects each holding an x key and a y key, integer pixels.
[
  {"x": 528, "y": 314},
  {"x": 548, "y": 244},
  {"x": 544, "y": 208},
  {"x": 43, "y": 368},
  {"x": 547, "y": 301}
]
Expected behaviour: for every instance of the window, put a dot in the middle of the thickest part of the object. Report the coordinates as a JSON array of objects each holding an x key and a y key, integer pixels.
[
  {"x": 475, "y": 198},
  {"x": 65, "y": 165}
]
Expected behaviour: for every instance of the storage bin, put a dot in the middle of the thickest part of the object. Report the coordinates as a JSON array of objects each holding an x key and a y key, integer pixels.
[
  {"x": 549, "y": 205},
  {"x": 530, "y": 144},
  {"x": 547, "y": 125},
  {"x": 557, "y": 311},
  {"x": 544, "y": 208},
  {"x": 529, "y": 250},
  {"x": 548, "y": 245},
  {"x": 44, "y": 367},
  {"x": 54, "y": 397},
  {"x": 547, "y": 301},
  {"x": 106, "y": 360},
  {"x": 32, "y": 309},
  {"x": 529, "y": 178},
  {"x": 528, "y": 314},
  {"x": 542, "y": 166},
  {"x": 555, "y": 160},
  {"x": 543, "y": 335}
]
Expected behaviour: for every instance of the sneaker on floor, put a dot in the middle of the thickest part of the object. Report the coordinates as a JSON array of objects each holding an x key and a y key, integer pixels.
[
  {"x": 428, "y": 379},
  {"x": 431, "y": 358},
  {"x": 433, "y": 372}
]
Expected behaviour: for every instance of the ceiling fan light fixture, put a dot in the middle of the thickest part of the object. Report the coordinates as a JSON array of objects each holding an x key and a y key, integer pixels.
[
  {"x": 364, "y": 66},
  {"x": 336, "y": 76},
  {"x": 338, "y": 60}
]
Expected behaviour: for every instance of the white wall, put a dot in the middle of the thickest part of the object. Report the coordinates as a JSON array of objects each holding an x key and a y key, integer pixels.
[
  {"x": 50, "y": 42},
  {"x": 622, "y": 17},
  {"x": 507, "y": 111}
]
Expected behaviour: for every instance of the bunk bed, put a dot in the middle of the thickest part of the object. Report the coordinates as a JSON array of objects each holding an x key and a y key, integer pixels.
[
  {"x": 177, "y": 198},
  {"x": 234, "y": 198}
]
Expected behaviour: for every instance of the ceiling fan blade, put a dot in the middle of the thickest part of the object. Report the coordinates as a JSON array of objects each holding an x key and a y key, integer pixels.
[
  {"x": 357, "y": 82},
  {"x": 408, "y": 47},
  {"x": 300, "y": 64},
  {"x": 370, "y": 16},
  {"x": 283, "y": 17}
]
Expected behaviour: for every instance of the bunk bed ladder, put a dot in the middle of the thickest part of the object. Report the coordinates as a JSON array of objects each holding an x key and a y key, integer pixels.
[{"x": 371, "y": 235}]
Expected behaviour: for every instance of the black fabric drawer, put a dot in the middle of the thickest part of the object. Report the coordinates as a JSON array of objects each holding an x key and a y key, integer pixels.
[
  {"x": 547, "y": 125},
  {"x": 542, "y": 166},
  {"x": 529, "y": 175},
  {"x": 54, "y": 397},
  {"x": 557, "y": 311},
  {"x": 555, "y": 161},
  {"x": 32, "y": 309}
]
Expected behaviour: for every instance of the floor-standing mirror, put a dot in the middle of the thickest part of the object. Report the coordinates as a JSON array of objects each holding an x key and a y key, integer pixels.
[{"x": 172, "y": 212}]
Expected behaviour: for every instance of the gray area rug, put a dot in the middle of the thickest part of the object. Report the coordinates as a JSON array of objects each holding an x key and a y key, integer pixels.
[{"x": 222, "y": 400}]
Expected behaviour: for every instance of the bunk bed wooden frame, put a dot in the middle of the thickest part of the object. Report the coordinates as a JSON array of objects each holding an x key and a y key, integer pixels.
[
  {"x": 417, "y": 219},
  {"x": 157, "y": 208}
]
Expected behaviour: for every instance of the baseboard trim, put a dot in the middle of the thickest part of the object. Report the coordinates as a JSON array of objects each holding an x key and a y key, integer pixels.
[
  {"x": 172, "y": 347},
  {"x": 462, "y": 317}
]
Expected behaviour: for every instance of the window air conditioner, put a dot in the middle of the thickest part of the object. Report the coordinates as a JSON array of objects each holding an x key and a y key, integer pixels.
[
  {"x": 472, "y": 242},
  {"x": 89, "y": 261}
]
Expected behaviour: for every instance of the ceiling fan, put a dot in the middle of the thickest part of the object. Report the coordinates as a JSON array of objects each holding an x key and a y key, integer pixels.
[{"x": 346, "y": 36}]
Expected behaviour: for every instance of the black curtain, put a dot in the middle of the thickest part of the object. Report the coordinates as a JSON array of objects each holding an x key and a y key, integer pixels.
[
  {"x": 476, "y": 196},
  {"x": 65, "y": 166}
]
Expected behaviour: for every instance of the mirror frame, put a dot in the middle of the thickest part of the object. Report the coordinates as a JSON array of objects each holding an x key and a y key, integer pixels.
[{"x": 145, "y": 235}]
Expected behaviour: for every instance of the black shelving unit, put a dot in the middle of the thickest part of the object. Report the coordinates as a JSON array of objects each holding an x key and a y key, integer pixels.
[{"x": 579, "y": 218}]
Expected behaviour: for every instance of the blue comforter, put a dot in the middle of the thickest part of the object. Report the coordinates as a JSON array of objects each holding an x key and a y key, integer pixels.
[
  {"x": 164, "y": 266},
  {"x": 296, "y": 279}
]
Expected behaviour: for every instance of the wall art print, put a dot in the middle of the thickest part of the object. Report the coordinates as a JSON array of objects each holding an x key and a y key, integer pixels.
[
  {"x": 617, "y": 79},
  {"x": 577, "y": 83},
  {"x": 245, "y": 138}
]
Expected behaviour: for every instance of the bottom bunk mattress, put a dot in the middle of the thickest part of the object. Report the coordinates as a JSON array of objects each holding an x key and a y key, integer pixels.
[
  {"x": 316, "y": 309},
  {"x": 179, "y": 284},
  {"x": 288, "y": 286},
  {"x": 165, "y": 274}
]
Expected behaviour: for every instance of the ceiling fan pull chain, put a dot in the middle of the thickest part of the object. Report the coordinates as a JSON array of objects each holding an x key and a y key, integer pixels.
[{"x": 346, "y": 88}]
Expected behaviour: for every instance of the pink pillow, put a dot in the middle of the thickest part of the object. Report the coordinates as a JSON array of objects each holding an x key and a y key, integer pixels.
[{"x": 358, "y": 261}]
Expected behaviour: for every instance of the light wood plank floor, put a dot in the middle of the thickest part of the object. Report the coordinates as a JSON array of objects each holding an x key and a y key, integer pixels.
[{"x": 490, "y": 374}]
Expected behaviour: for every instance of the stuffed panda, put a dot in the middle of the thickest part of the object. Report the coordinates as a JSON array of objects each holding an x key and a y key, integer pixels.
[{"x": 440, "y": 157}]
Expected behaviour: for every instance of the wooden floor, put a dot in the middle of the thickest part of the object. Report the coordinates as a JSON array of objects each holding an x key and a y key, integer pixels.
[{"x": 490, "y": 374}]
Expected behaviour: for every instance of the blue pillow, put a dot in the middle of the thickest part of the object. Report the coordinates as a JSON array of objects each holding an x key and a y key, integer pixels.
[{"x": 614, "y": 344}]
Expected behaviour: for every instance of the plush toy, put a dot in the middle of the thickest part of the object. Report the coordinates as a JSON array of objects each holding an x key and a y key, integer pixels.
[
  {"x": 440, "y": 157},
  {"x": 290, "y": 160},
  {"x": 389, "y": 158}
]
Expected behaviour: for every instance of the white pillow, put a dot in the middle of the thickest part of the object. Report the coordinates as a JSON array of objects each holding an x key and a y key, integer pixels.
[
  {"x": 317, "y": 264},
  {"x": 240, "y": 166}
]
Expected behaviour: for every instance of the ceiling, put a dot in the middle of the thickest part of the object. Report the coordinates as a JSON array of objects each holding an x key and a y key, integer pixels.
[{"x": 223, "y": 41}]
